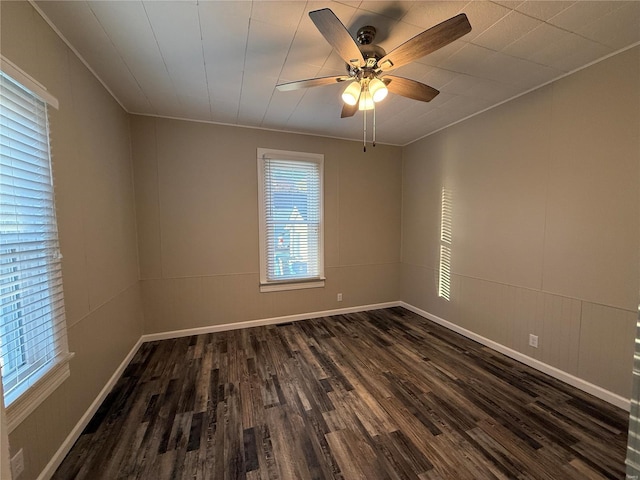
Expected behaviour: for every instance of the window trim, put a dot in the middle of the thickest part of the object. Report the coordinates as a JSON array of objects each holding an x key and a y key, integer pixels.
[
  {"x": 292, "y": 284},
  {"x": 20, "y": 408},
  {"x": 11, "y": 69}
]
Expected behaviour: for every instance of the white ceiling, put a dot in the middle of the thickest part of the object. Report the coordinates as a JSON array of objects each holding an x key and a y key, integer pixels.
[{"x": 220, "y": 61}]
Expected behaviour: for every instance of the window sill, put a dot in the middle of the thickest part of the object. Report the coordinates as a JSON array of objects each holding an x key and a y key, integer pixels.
[
  {"x": 20, "y": 408},
  {"x": 278, "y": 287}
]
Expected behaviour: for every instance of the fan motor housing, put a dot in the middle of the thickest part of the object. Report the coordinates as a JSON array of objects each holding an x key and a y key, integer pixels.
[
  {"x": 372, "y": 51},
  {"x": 368, "y": 51},
  {"x": 364, "y": 37}
]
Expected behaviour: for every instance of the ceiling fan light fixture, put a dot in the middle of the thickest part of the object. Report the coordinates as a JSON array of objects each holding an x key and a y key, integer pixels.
[
  {"x": 351, "y": 93},
  {"x": 367, "y": 61},
  {"x": 377, "y": 89}
]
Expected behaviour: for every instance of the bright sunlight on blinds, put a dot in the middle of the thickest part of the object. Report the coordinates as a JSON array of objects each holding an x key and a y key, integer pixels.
[{"x": 444, "y": 276}]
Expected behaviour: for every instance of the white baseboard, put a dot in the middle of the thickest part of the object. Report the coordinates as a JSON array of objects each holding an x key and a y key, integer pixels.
[
  {"x": 572, "y": 380},
  {"x": 58, "y": 457},
  {"x": 150, "y": 337}
]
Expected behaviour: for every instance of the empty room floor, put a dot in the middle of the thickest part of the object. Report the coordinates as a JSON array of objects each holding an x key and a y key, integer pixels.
[{"x": 384, "y": 394}]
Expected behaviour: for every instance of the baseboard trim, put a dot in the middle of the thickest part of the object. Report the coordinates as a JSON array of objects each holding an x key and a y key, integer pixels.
[
  {"x": 150, "y": 337},
  {"x": 64, "y": 449},
  {"x": 595, "y": 390}
]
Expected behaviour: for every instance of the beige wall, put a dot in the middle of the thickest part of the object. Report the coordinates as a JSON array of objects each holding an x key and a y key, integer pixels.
[
  {"x": 96, "y": 218},
  {"x": 197, "y": 204},
  {"x": 545, "y": 222}
]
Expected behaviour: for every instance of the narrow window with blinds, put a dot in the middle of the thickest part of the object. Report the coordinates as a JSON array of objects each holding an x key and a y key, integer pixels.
[
  {"x": 291, "y": 225},
  {"x": 444, "y": 273},
  {"x": 633, "y": 445},
  {"x": 33, "y": 345}
]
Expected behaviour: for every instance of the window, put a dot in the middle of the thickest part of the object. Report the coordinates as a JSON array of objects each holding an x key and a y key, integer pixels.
[
  {"x": 291, "y": 237},
  {"x": 33, "y": 346},
  {"x": 444, "y": 273},
  {"x": 633, "y": 443}
]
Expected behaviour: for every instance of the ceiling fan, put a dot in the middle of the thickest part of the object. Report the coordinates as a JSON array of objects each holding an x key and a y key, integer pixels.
[{"x": 368, "y": 63}]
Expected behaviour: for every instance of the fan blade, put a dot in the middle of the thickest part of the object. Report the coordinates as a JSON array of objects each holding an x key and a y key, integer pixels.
[
  {"x": 338, "y": 36},
  {"x": 426, "y": 42},
  {"x": 349, "y": 110},
  {"x": 312, "y": 82},
  {"x": 410, "y": 88}
]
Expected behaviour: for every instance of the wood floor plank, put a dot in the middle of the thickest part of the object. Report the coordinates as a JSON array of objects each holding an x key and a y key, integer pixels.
[{"x": 380, "y": 395}]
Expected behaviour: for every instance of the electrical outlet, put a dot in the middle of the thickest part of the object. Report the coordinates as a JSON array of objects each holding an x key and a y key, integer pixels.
[
  {"x": 339, "y": 297},
  {"x": 17, "y": 464},
  {"x": 533, "y": 340}
]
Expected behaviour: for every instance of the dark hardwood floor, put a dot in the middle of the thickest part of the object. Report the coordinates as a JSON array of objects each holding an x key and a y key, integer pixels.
[{"x": 377, "y": 395}]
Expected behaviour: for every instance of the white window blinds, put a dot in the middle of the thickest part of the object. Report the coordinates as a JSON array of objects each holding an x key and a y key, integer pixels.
[
  {"x": 291, "y": 218},
  {"x": 633, "y": 446},
  {"x": 444, "y": 274},
  {"x": 32, "y": 329}
]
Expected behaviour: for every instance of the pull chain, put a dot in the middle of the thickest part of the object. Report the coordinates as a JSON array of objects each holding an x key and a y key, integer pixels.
[
  {"x": 374, "y": 124},
  {"x": 364, "y": 116}
]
